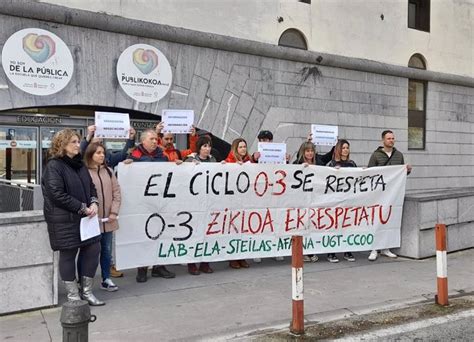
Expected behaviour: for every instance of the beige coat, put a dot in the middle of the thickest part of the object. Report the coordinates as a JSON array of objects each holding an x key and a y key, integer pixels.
[{"x": 108, "y": 193}]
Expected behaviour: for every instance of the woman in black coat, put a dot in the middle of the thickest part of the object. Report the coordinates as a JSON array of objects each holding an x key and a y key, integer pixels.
[{"x": 70, "y": 195}]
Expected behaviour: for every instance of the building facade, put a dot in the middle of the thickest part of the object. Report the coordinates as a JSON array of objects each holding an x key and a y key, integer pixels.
[
  {"x": 237, "y": 86},
  {"x": 388, "y": 31}
]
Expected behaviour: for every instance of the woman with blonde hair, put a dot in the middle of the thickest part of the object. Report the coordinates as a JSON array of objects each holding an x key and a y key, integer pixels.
[
  {"x": 108, "y": 193},
  {"x": 69, "y": 196},
  {"x": 307, "y": 155},
  {"x": 238, "y": 154}
]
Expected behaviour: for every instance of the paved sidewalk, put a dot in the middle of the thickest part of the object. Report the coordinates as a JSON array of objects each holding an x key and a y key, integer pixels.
[{"x": 230, "y": 303}]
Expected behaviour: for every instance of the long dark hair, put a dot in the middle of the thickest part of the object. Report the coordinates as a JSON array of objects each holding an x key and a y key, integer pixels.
[
  {"x": 90, "y": 150},
  {"x": 338, "y": 149}
]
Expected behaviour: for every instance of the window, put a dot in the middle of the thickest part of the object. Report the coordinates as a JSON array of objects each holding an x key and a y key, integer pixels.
[
  {"x": 419, "y": 15},
  {"x": 416, "y": 106},
  {"x": 294, "y": 39},
  {"x": 417, "y": 61},
  {"x": 305, "y": 1}
]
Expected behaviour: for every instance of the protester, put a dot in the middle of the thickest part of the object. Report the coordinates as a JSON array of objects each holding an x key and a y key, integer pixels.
[
  {"x": 112, "y": 159},
  {"x": 383, "y": 156},
  {"x": 341, "y": 158},
  {"x": 149, "y": 151},
  {"x": 70, "y": 195},
  {"x": 215, "y": 152},
  {"x": 166, "y": 141},
  {"x": 238, "y": 154},
  {"x": 265, "y": 136},
  {"x": 108, "y": 191},
  {"x": 307, "y": 156},
  {"x": 202, "y": 155},
  {"x": 309, "y": 149}
]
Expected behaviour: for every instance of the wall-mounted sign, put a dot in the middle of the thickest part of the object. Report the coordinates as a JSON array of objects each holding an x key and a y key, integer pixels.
[
  {"x": 144, "y": 73},
  {"x": 37, "y": 61},
  {"x": 24, "y": 119},
  {"x": 17, "y": 144}
]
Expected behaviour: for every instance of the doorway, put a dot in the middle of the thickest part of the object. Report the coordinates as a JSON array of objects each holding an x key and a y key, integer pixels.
[{"x": 18, "y": 154}]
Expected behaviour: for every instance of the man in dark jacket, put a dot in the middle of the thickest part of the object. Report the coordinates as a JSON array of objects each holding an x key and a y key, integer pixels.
[
  {"x": 149, "y": 151},
  {"x": 383, "y": 156}
]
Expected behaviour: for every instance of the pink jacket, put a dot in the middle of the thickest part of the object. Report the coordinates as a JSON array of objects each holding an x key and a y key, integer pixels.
[{"x": 108, "y": 192}]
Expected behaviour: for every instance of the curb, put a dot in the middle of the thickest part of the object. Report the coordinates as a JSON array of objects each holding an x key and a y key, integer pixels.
[{"x": 251, "y": 332}]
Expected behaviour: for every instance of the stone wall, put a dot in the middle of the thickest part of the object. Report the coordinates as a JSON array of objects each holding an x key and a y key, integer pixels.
[
  {"x": 421, "y": 212},
  {"x": 28, "y": 266},
  {"x": 448, "y": 160}
]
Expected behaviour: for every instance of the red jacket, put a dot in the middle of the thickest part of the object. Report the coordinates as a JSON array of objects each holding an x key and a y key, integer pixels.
[
  {"x": 231, "y": 158},
  {"x": 140, "y": 154},
  {"x": 174, "y": 154}
]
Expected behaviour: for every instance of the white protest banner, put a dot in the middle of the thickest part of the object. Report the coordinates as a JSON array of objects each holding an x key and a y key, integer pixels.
[
  {"x": 272, "y": 153},
  {"x": 177, "y": 121},
  {"x": 209, "y": 212},
  {"x": 324, "y": 135},
  {"x": 111, "y": 125}
]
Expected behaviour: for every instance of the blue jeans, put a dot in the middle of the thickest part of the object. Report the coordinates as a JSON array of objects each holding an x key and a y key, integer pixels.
[{"x": 106, "y": 254}]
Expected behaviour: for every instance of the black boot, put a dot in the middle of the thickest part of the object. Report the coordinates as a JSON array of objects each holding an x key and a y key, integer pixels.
[
  {"x": 142, "y": 274},
  {"x": 161, "y": 271}
]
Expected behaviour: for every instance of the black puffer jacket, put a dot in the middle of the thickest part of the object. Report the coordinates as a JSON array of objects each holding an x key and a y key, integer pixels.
[{"x": 67, "y": 188}]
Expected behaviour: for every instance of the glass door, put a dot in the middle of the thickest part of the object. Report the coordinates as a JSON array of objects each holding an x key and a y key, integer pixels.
[{"x": 18, "y": 154}]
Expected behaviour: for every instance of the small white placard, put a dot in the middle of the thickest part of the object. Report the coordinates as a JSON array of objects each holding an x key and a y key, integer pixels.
[
  {"x": 89, "y": 227},
  {"x": 177, "y": 121},
  {"x": 272, "y": 153},
  {"x": 324, "y": 135},
  {"x": 112, "y": 125}
]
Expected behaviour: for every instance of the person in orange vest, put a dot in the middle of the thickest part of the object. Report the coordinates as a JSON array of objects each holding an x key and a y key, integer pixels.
[{"x": 166, "y": 141}]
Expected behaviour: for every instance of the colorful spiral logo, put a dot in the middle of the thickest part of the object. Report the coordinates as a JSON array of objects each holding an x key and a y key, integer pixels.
[
  {"x": 39, "y": 48},
  {"x": 145, "y": 60}
]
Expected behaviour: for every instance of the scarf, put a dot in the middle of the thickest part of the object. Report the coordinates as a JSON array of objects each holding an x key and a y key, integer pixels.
[{"x": 74, "y": 162}]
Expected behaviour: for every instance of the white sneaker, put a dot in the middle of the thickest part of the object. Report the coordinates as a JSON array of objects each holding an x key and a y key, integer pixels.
[
  {"x": 280, "y": 258},
  {"x": 388, "y": 253},
  {"x": 373, "y": 256},
  {"x": 306, "y": 258},
  {"x": 108, "y": 285},
  {"x": 257, "y": 260},
  {"x": 314, "y": 258}
]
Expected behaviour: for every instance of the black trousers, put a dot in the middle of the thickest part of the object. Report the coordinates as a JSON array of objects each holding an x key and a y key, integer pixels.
[{"x": 87, "y": 261}]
